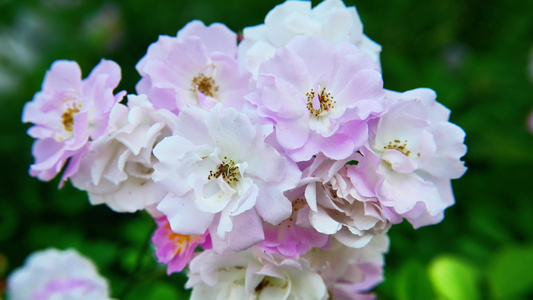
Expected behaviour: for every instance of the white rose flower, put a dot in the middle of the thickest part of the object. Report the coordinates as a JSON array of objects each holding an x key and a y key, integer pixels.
[
  {"x": 219, "y": 172},
  {"x": 117, "y": 168},
  {"x": 58, "y": 275},
  {"x": 350, "y": 273},
  {"x": 252, "y": 274},
  {"x": 420, "y": 151},
  {"x": 342, "y": 199},
  {"x": 331, "y": 20}
]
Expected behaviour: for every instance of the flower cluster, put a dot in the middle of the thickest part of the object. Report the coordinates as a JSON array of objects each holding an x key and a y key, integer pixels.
[{"x": 273, "y": 163}]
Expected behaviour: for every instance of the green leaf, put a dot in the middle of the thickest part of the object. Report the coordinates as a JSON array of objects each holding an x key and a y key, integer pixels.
[
  {"x": 137, "y": 229},
  {"x": 101, "y": 252},
  {"x": 510, "y": 275},
  {"x": 454, "y": 279},
  {"x": 55, "y": 235},
  {"x": 352, "y": 163},
  {"x": 163, "y": 290},
  {"x": 9, "y": 220},
  {"x": 412, "y": 282}
]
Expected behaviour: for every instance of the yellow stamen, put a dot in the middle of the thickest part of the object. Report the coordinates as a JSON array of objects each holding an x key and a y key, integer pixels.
[
  {"x": 206, "y": 85},
  {"x": 68, "y": 118},
  {"x": 327, "y": 102}
]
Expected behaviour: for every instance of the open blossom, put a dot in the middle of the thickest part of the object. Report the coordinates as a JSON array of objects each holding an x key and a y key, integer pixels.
[
  {"x": 420, "y": 153},
  {"x": 57, "y": 275},
  {"x": 349, "y": 273},
  {"x": 252, "y": 274},
  {"x": 198, "y": 67},
  {"x": 320, "y": 101},
  {"x": 330, "y": 20},
  {"x": 176, "y": 250},
  {"x": 342, "y": 199},
  {"x": 67, "y": 112},
  {"x": 117, "y": 168},
  {"x": 218, "y": 170}
]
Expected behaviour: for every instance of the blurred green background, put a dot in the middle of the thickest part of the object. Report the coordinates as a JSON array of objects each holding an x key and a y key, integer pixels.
[{"x": 476, "y": 54}]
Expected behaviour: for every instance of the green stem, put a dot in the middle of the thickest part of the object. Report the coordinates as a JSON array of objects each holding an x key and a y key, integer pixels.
[{"x": 134, "y": 278}]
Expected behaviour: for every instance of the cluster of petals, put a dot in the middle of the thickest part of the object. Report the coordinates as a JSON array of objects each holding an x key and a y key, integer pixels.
[
  {"x": 198, "y": 67},
  {"x": 342, "y": 200},
  {"x": 219, "y": 172},
  {"x": 67, "y": 113},
  {"x": 295, "y": 235},
  {"x": 319, "y": 101},
  {"x": 273, "y": 168},
  {"x": 58, "y": 275},
  {"x": 420, "y": 152},
  {"x": 253, "y": 274},
  {"x": 330, "y": 19},
  {"x": 117, "y": 168},
  {"x": 176, "y": 250},
  {"x": 350, "y": 273}
]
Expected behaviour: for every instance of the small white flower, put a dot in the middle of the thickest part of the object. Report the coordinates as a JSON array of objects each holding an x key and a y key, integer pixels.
[
  {"x": 218, "y": 168},
  {"x": 350, "y": 272},
  {"x": 421, "y": 151},
  {"x": 118, "y": 166},
  {"x": 342, "y": 199},
  {"x": 331, "y": 20},
  {"x": 57, "y": 275},
  {"x": 252, "y": 274}
]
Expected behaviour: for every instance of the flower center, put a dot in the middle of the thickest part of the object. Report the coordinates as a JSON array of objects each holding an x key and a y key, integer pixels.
[
  {"x": 228, "y": 170},
  {"x": 397, "y": 145},
  {"x": 325, "y": 99},
  {"x": 181, "y": 242},
  {"x": 298, "y": 204},
  {"x": 263, "y": 284},
  {"x": 206, "y": 85},
  {"x": 271, "y": 282},
  {"x": 68, "y": 118}
]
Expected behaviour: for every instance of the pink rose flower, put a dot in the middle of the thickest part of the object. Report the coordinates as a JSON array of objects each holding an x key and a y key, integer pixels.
[
  {"x": 420, "y": 151},
  {"x": 319, "y": 101},
  {"x": 342, "y": 199},
  {"x": 295, "y": 235},
  {"x": 67, "y": 113},
  {"x": 176, "y": 250},
  {"x": 198, "y": 67}
]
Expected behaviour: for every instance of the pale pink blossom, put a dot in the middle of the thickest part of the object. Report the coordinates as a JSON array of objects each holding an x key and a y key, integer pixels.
[
  {"x": 295, "y": 235},
  {"x": 350, "y": 273},
  {"x": 67, "y": 113},
  {"x": 252, "y": 274},
  {"x": 330, "y": 19},
  {"x": 342, "y": 199},
  {"x": 219, "y": 172},
  {"x": 57, "y": 275},
  {"x": 198, "y": 67},
  {"x": 117, "y": 168},
  {"x": 176, "y": 250},
  {"x": 420, "y": 151},
  {"x": 319, "y": 101}
]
